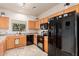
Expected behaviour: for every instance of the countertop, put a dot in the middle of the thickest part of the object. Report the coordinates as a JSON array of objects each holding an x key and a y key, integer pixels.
[{"x": 2, "y": 38}]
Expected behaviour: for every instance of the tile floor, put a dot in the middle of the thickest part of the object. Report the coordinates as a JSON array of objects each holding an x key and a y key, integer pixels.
[{"x": 30, "y": 50}]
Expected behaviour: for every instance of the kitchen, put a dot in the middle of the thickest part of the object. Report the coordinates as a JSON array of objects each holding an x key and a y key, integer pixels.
[{"x": 23, "y": 28}]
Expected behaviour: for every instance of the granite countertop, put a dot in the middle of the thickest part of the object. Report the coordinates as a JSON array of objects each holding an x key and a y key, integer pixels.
[{"x": 2, "y": 38}]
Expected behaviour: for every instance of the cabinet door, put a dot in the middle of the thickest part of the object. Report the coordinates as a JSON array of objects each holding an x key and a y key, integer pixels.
[
  {"x": 41, "y": 21},
  {"x": 37, "y": 25},
  {"x": 77, "y": 8},
  {"x": 1, "y": 49},
  {"x": 4, "y": 22},
  {"x": 23, "y": 40},
  {"x": 10, "y": 42},
  {"x": 35, "y": 39},
  {"x": 46, "y": 44},
  {"x": 45, "y": 20},
  {"x": 73, "y": 8},
  {"x": 31, "y": 24}
]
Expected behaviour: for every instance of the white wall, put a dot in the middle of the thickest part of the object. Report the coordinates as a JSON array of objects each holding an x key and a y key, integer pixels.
[
  {"x": 54, "y": 9},
  {"x": 13, "y": 16}
]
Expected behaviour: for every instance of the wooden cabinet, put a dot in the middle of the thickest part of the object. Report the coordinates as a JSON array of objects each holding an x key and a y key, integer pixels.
[
  {"x": 4, "y": 46},
  {"x": 31, "y": 24},
  {"x": 4, "y": 22},
  {"x": 1, "y": 49},
  {"x": 23, "y": 40},
  {"x": 41, "y": 21},
  {"x": 35, "y": 39},
  {"x": 34, "y": 24},
  {"x": 70, "y": 9},
  {"x": 77, "y": 8},
  {"x": 46, "y": 44},
  {"x": 37, "y": 24},
  {"x": 10, "y": 41},
  {"x": 45, "y": 20}
]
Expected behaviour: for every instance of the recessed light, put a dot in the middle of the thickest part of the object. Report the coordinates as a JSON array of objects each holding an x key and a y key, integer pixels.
[
  {"x": 66, "y": 4},
  {"x": 34, "y": 7},
  {"x": 22, "y": 4}
]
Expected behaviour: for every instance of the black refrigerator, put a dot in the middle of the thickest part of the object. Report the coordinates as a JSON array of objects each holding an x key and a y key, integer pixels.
[
  {"x": 63, "y": 35},
  {"x": 54, "y": 37}
]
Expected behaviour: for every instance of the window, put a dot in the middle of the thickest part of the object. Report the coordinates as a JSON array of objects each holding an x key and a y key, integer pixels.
[{"x": 18, "y": 27}]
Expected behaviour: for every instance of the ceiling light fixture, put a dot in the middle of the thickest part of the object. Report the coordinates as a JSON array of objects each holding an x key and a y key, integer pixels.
[
  {"x": 66, "y": 4},
  {"x": 34, "y": 7},
  {"x": 22, "y": 4}
]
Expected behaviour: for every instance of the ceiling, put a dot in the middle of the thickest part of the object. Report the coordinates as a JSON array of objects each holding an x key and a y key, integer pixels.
[{"x": 34, "y": 9}]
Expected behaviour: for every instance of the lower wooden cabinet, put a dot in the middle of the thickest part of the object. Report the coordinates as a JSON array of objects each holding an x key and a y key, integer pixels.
[
  {"x": 46, "y": 44},
  {"x": 35, "y": 39},
  {"x": 22, "y": 41},
  {"x": 10, "y": 41},
  {"x": 1, "y": 49}
]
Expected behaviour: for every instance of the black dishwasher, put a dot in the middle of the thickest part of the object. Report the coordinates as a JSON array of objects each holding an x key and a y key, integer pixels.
[{"x": 30, "y": 39}]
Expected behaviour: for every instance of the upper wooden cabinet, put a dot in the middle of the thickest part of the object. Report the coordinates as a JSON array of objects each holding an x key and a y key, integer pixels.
[
  {"x": 34, "y": 24},
  {"x": 37, "y": 24},
  {"x": 41, "y": 21},
  {"x": 4, "y": 22},
  {"x": 45, "y": 20},
  {"x": 70, "y": 9},
  {"x": 31, "y": 24},
  {"x": 77, "y": 8}
]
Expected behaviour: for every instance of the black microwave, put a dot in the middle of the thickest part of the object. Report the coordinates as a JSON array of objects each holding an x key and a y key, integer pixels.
[{"x": 44, "y": 26}]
